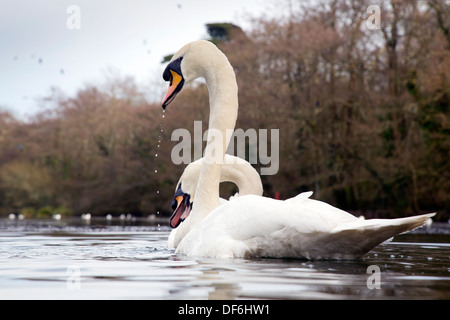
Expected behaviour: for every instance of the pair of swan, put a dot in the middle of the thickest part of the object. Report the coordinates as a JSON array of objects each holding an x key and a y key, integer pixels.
[{"x": 251, "y": 225}]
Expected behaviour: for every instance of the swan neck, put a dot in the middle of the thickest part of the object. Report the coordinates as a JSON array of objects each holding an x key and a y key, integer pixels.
[
  {"x": 222, "y": 88},
  {"x": 242, "y": 174}
]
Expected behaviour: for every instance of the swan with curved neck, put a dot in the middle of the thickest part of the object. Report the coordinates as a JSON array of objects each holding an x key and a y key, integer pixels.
[
  {"x": 234, "y": 170},
  {"x": 203, "y": 59},
  {"x": 255, "y": 226}
]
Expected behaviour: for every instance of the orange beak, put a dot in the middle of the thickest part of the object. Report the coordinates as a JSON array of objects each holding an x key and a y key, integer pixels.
[
  {"x": 182, "y": 210},
  {"x": 176, "y": 83}
]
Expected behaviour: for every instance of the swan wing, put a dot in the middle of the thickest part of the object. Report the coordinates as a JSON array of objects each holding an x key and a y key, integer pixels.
[
  {"x": 298, "y": 199},
  {"x": 254, "y": 226}
]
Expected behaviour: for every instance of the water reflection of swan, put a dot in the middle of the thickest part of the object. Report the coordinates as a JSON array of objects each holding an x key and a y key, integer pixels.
[{"x": 254, "y": 226}]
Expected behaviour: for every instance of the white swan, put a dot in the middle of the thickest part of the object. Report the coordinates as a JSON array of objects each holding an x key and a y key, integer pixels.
[
  {"x": 234, "y": 169},
  {"x": 254, "y": 226}
]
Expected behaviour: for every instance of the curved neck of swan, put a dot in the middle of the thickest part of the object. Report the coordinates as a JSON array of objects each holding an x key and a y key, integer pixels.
[
  {"x": 223, "y": 100},
  {"x": 242, "y": 174},
  {"x": 234, "y": 170}
]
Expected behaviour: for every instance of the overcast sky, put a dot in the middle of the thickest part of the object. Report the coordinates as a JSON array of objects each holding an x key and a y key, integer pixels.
[{"x": 38, "y": 50}]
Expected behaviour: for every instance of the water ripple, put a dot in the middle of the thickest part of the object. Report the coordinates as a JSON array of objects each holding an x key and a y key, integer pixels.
[{"x": 132, "y": 262}]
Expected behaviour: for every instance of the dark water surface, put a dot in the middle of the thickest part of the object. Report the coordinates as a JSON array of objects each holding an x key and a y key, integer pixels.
[{"x": 62, "y": 260}]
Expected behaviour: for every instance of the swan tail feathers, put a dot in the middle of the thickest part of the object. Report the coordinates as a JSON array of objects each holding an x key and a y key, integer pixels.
[
  {"x": 361, "y": 236},
  {"x": 405, "y": 224}
]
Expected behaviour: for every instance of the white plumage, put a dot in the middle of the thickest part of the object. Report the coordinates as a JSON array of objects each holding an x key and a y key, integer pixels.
[{"x": 254, "y": 226}]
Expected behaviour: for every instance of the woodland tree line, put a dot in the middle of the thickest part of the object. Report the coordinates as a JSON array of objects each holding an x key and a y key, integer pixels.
[{"x": 364, "y": 119}]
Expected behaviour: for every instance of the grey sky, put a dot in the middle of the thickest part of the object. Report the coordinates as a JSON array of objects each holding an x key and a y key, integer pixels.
[{"x": 38, "y": 50}]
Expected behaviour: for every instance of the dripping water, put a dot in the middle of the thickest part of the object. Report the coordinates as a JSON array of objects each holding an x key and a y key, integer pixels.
[{"x": 161, "y": 127}]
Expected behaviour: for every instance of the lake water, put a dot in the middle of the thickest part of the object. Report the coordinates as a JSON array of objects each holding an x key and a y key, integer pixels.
[{"x": 62, "y": 260}]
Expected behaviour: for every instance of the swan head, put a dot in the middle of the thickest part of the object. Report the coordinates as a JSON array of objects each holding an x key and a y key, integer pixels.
[
  {"x": 182, "y": 205},
  {"x": 185, "y": 193},
  {"x": 195, "y": 60}
]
